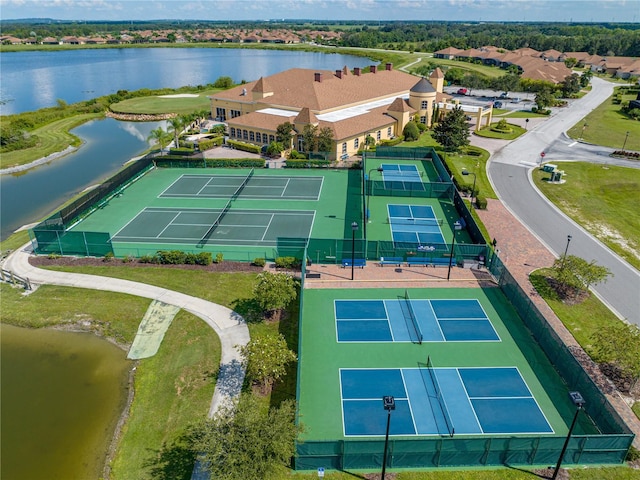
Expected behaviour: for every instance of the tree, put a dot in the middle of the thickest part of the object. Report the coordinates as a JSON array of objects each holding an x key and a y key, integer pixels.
[
  {"x": 274, "y": 291},
  {"x": 284, "y": 134},
  {"x": 177, "y": 124},
  {"x": 454, "y": 75},
  {"x": 309, "y": 138},
  {"x": 619, "y": 343},
  {"x": 223, "y": 82},
  {"x": 575, "y": 273},
  {"x": 571, "y": 85},
  {"x": 159, "y": 136},
  {"x": 411, "y": 132},
  {"x": 570, "y": 62},
  {"x": 585, "y": 78},
  {"x": 452, "y": 132},
  {"x": 545, "y": 99},
  {"x": 247, "y": 440},
  {"x": 266, "y": 358},
  {"x": 325, "y": 139}
]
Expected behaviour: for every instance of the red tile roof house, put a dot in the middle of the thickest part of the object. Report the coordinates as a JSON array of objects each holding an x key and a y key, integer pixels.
[{"x": 352, "y": 104}]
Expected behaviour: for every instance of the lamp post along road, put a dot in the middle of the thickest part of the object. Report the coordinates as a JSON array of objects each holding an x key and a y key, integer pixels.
[
  {"x": 578, "y": 401},
  {"x": 566, "y": 249},
  {"x": 625, "y": 141},
  {"x": 453, "y": 246},
  {"x": 354, "y": 228},
  {"x": 389, "y": 404}
]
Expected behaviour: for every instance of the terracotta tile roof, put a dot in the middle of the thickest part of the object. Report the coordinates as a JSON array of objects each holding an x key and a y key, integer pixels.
[
  {"x": 296, "y": 89},
  {"x": 539, "y": 69},
  {"x": 262, "y": 86},
  {"x": 306, "y": 116},
  {"x": 399, "y": 105},
  {"x": 437, "y": 73}
]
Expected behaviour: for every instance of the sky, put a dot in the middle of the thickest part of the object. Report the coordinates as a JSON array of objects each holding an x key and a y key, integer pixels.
[{"x": 370, "y": 10}]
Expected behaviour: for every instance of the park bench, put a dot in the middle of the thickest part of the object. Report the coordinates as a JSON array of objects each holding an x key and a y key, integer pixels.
[
  {"x": 397, "y": 261},
  {"x": 357, "y": 262}
]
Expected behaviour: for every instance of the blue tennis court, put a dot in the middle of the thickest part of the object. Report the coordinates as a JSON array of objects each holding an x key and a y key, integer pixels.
[
  {"x": 412, "y": 320},
  {"x": 439, "y": 401},
  {"x": 415, "y": 224},
  {"x": 401, "y": 177}
]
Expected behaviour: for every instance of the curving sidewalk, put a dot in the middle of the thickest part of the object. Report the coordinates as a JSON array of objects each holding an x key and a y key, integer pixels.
[{"x": 230, "y": 327}]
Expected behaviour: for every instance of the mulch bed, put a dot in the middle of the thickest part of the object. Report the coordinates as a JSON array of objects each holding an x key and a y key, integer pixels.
[{"x": 225, "y": 266}]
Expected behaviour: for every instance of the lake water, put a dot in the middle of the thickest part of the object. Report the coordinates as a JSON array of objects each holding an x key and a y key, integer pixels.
[
  {"x": 34, "y": 80},
  {"x": 62, "y": 395},
  {"x": 26, "y": 197}
]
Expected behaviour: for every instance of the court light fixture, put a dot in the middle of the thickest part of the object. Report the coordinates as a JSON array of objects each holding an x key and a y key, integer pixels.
[
  {"x": 389, "y": 404},
  {"x": 379, "y": 169},
  {"x": 578, "y": 401},
  {"x": 354, "y": 229}
]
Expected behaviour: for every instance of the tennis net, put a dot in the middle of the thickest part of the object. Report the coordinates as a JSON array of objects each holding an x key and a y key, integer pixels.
[
  {"x": 443, "y": 406},
  {"x": 416, "y": 221},
  {"x": 215, "y": 224},
  {"x": 414, "y": 320},
  {"x": 242, "y": 185}
]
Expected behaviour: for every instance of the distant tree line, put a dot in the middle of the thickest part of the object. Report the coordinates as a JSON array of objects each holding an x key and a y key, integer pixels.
[{"x": 600, "y": 39}]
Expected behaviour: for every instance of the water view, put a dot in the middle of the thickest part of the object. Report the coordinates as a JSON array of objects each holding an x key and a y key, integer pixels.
[
  {"x": 34, "y": 80},
  {"x": 62, "y": 395}
]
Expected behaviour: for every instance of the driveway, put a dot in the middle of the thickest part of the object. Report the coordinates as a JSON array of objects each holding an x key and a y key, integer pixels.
[{"x": 509, "y": 172}]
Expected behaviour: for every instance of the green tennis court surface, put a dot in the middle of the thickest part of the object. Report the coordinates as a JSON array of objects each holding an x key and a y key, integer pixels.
[
  {"x": 237, "y": 226},
  {"x": 489, "y": 377},
  {"x": 257, "y": 186}
]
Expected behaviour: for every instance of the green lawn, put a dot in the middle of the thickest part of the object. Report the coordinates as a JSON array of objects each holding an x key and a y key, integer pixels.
[
  {"x": 52, "y": 138},
  {"x": 491, "y": 72},
  {"x": 604, "y": 200},
  {"x": 607, "y": 126},
  {"x": 158, "y": 104}
]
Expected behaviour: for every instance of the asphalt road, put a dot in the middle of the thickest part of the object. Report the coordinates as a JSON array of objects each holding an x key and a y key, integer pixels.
[{"x": 509, "y": 171}]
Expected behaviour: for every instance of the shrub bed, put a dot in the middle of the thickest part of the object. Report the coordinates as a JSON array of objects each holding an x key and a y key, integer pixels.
[
  {"x": 291, "y": 163},
  {"x": 245, "y": 147}
]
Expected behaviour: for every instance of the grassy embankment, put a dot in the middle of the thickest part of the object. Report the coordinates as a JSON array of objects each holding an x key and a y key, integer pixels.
[
  {"x": 604, "y": 200},
  {"x": 608, "y": 126},
  {"x": 53, "y": 138},
  {"x": 155, "y": 105}
]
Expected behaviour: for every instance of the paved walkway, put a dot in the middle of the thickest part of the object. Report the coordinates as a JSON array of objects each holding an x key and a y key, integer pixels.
[{"x": 229, "y": 326}]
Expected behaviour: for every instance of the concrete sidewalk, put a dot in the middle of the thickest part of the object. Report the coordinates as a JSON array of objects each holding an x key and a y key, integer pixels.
[{"x": 229, "y": 326}]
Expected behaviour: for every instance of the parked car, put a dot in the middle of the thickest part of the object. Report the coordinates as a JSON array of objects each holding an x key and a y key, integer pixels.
[
  {"x": 497, "y": 104},
  {"x": 462, "y": 91},
  {"x": 504, "y": 95}
]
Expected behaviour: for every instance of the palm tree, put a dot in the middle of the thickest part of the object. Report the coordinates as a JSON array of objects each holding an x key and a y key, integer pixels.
[
  {"x": 177, "y": 124},
  {"x": 159, "y": 136}
]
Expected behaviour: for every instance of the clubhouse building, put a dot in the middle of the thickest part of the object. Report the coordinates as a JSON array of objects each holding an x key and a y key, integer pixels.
[{"x": 353, "y": 104}]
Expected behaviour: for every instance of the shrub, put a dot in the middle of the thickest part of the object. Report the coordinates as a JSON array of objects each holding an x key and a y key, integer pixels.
[
  {"x": 190, "y": 259},
  {"x": 392, "y": 142},
  {"x": 411, "y": 131},
  {"x": 108, "y": 257},
  {"x": 53, "y": 256},
  {"x": 184, "y": 151},
  {"x": 128, "y": 259},
  {"x": 235, "y": 163},
  {"x": 245, "y": 147},
  {"x": 204, "y": 258},
  {"x": 296, "y": 155},
  {"x": 286, "y": 262},
  {"x": 210, "y": 143},
  {"x": 219, "y": 257},
  {"x": 147, "y": 259},
  {"x": 259, "y": 262},
  {"x": 171, "y": 257},
  {"x": 307, "y": 163},
  {"x": 481, "y": 202}
]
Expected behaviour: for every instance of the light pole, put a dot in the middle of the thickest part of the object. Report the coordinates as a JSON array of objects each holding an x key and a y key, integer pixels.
[
  {"x": 578, "y": 401},
  {"x": 379, "y": 169},
  {"x": 566, "y": 249},
  {"x": 473, "y": 189},
  {"x": 354, "y": 228},
  {"x": 389, "y": 404},
  {"x": 583, "y": 127},
  {"x": 453, "y": 246},
  {"x": 625, "y": 141}
]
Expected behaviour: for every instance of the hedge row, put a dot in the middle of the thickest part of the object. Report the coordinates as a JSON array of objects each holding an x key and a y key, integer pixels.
[
  {"x": 245, "y": 147},
  {"x": 177, "y": 257},
  {"x": 392, "y": 143},
  {"x": 291, "y": 163},
  {"x": 235, "y": 162},
  {"x": 210, "y": 143}
]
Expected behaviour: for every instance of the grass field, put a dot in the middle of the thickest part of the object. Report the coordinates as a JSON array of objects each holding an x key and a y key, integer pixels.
[
  {"x": 159, "y": 105},
  {"x": 604, "y": 200},
  {"x": 607, "y": 126},
  {"x": 52, "y": 138}
]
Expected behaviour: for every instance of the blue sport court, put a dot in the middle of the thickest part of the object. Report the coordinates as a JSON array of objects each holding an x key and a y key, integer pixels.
[
  {"x": 407, "y": 320},
  {"x": 440, "y": 401},
  {"x": 415, "y": 224},
  {"x": 401, "y": 177}
]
